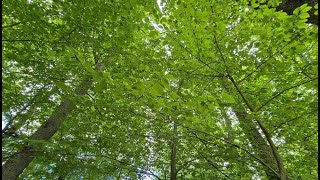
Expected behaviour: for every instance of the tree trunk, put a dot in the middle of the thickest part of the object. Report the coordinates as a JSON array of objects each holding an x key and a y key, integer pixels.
[
  {"x": 173, "y": 163},
  {"x": 174, "y": 144},
  {"x": 267, "y": 152},
  {"x": 15, "y": 165},
  {"x": 259, "y": 144}
]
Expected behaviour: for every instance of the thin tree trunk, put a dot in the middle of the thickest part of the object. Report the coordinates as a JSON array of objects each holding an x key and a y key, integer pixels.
[
  {"x": 174, "y": 144},
  {"x": 173, "y": 163}
]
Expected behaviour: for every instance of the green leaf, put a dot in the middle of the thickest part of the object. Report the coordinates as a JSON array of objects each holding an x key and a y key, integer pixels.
[
  {"x": 62, "y": 86},
  {"x": 283, "y": 15},
  {"x": 99, "y": 87},
  {"x": 306, "y": 9},
  {"x": 228, "y": 98},
  {"x": 157, "y": 89},
  {"x": 304, "y": 15},
  {"x": 254, "y": 4},
  {"x": 303, "y": 6},
  {"x": 287, "y": 37},
  {"x": 165, "y": 83},
  {"x": 173, "y": 95},
  {"x": 57, "y": 21},
  {"x": 301, "y": 25},
  {"x": 263, "y": 6},
  {"x": 296, "y": 11}
]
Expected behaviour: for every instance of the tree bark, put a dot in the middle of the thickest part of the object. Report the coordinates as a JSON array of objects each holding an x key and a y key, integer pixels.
[
  {"x": 256, "y": 139},
  {"x": 15, "y": 165},
  {"x": 259, "y": 144},
  {"x": 21, "y": 159},
  {"x": 173, "y": 163},
  {"x": 174, "y": 144}
]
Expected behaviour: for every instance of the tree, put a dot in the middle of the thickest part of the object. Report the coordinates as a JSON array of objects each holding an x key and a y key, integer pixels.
[{"x": 130, "y": 89}]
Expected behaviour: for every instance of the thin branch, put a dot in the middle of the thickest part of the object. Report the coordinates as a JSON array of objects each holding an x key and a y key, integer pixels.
[
  {"x": 220, "y": 52},
  {"x": 281, "y": 124},
  {"x": 268, "y": 58},
  {"x": 206, "y": 64},
  {"x": 241, "y": 93},
  {"x": 205, "y": 156},
  {"x": 10, "y": 121},
  {"x": 11, "y": 25},
  {"x": 283, "y": 91},
  {"x": 275, "y": 153},
  {"x": 184, "y": 165},
  {"x": 211, "y": 163},
  {"x": 128, "y": 166},
  {"x": 190, "y": 53},
  {"x": 17, "y": 40},
  {"x": 97, "y": 108},
  {"x": 237, "y": 146},
  {"x": 307, "y": 137},
  {"x": 228, "y": 142}
]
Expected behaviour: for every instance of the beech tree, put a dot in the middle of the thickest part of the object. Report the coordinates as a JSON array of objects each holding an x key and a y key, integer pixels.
[{"x": 160, "y": 89}]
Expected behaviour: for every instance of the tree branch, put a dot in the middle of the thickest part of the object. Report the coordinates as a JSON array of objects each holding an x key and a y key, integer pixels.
[
  {"x": 241, "y": 93},
  {"x": 184, "y": 165},
  {"x": 275, "y": 153},
  {"x": 268, "y": 58},
  {"x": 11, "y": 25},
  {"x": 283, "y": 91},
  {"x": 230, "y": 143},
  {"x": 278, "y": 126}
]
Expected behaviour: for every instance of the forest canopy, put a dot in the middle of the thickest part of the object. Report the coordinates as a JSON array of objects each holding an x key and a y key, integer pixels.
[{"x": 146, "y": 89}]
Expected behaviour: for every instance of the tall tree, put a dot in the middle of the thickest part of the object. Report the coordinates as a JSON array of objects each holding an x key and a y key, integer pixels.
[{"x": 247, "y": 107}]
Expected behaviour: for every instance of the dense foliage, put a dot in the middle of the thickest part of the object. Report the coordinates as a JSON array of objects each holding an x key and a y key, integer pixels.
[{"x": 200, "y": 89}]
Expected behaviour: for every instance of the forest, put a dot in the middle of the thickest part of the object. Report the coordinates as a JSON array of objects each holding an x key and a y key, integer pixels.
[{"x": 160, "y": 89}]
